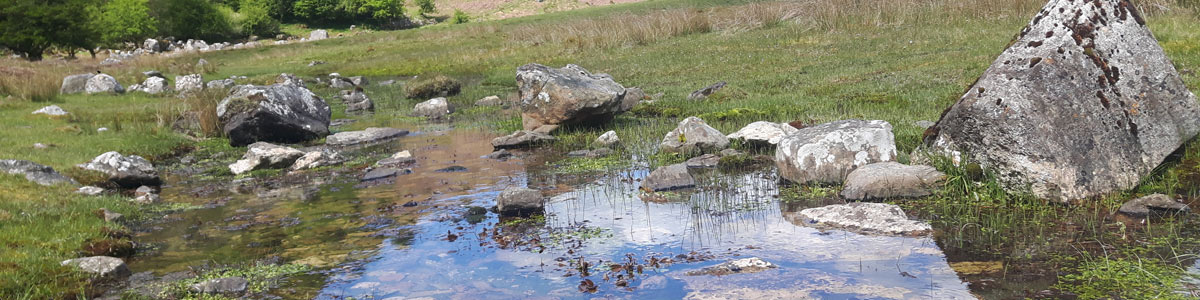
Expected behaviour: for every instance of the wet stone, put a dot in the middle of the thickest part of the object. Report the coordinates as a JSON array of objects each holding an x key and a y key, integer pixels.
[
  {"x": 519, "y": 202},
  {"x": 888, "y": 180},
  {"x": 521, "y": 139},
  {"x": 1152, "y": 204},
  {"x": 739, "y": 266},
  {"x": 501, "y": 154},
  {"x": 383, "y": 173},
  {"x": 694, "y": 135},
  {"x": 399, "y": 159},
  {"x": 668, "y": 178}
]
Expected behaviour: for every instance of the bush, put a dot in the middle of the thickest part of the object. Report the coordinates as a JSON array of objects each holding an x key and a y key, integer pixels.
[
  {"x": 194, "y": 19},
  {"x": 317, "y": 10},
  {"x": 377, "y": 10},
  {"x": 256, "y": 18},
  {"x": 123, "y": 21},
  {"x": 426, "y": 7},
  {"x": 438, "y": 86},
  {"x": 459, "y": 17}
]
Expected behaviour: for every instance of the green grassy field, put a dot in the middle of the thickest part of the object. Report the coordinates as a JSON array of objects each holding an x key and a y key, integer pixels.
[{"x": 815, "y": 62}]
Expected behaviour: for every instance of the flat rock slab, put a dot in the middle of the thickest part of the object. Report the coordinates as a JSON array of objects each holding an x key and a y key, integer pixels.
[
  {"x": 1156, "y": 203},
  {"x": 888, "y": 180},
  {"x": 368, "y": 135},
  {"x": 738, "y": 266},
  {"x": 34, "y": 172},
  {"x": 263, "y": 155},
  {"x": 102, "y": 266},
  {"x": 521, "y": 139},
  {"x": 1083, "y": 103},
  {"x": 668, "y": 178},
  {"x": 828, "y": 152},
  {"x": 763, "y": 133},
  {"x": 866, "y": 218},
  {"x": 128, "y": 171},
  {"x": 383, "y": 173}
]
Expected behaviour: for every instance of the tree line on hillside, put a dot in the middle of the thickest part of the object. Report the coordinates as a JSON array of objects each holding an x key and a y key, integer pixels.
[{"x": 31, "y": 27}]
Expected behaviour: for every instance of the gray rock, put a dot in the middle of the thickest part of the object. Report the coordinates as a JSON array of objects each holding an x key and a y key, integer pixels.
[
  {"x": 359, "y": 81},
  {"x": 704, "y": 161},
  {"x": 382, "y": 173},
  {"x": 763, "y": 133},
  {"x": 1083, "y": 103},
  {"x": 501, "y": 154},
  {"x": 75, "y": 83},
  {"x": 189, "y": 83},
  {"x": 889, "y": 180},
  {"x": 317, "y": 159},
  {"x": 924, "y": 124},
  {"x": 579, "y": 153},
  {"x": 694, "y": 135},
  {"x": 1156, "y": 203},
  {"x": 633, "y": 96},
  {"x": 706, "y": 91},
  {"x": 143, "y": 190},
  {"x": 436, "y": 108},
  {"x": 357, "y": 101},
  {"x": 737, "y": 266},
  {"x": 489, "y": 101},
  {"x": 34, "y": 172},
  {"x": 318, "y": 34},
  {"x": 90, "y": 190},
  {"x": 127, "y": 171},
  {"x": 153, "y": 73},
  {"x": 668, "y": 178},
  {"x": 52, "y": 110},
  {"x": 608, "y": 139},
  {"x": 369, "y": 135},
  {"x": 730, "y": 152},
  {"x": 220, "y": 84},
  {"x": 149, "y": 198},
  {"x": 340, "y": 83},
  {"x": 110, "y": 216},
  {"x": 103, "y": 83},
  {"x": 289, "y": 79},
  {"x": 866, "y": 218},
  {"x": 568, "y": 95},
  {"x": 281, "y": 113},
  {"x": 227, "y": 285},
  {"x": 519, "y": 202},
  {"x": 401, "y": 158},
  {"x": 316, "y": 62},
  {"x": 828, "y": 152},
  {"x": 102, "y": 266},
  {"x": 263, "y": 155},
  {"x": 521, "y": 139},
  {"x": 598, "y": 152}
]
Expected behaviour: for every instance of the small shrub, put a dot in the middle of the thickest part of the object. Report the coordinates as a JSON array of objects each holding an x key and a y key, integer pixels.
[
  {"x": 437, "y": 86},
  {"x": 426, "y": 7},
  {"x": 459, "y": 17},
  {"x": 256, "y": 18}
]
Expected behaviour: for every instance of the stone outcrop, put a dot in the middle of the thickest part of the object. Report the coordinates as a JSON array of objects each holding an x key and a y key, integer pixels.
[
  {"x": 373, "y": 134},
  {"x": 1083, "y": 103}
]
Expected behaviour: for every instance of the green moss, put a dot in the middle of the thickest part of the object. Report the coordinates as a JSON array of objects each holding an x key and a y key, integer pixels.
[{"x": 436, "y": 86}]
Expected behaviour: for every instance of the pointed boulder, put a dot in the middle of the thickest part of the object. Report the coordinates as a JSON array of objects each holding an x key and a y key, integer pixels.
[{"x": 1084, "y": 102}]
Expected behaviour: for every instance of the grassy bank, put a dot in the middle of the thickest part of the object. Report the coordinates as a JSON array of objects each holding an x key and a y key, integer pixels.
[{"x": 900, "y": 61}]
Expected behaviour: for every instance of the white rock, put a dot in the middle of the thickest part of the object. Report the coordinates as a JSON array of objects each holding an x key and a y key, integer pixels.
[
  {"x": 763, "y": 132},
  {"x": 52, "y": 110}
]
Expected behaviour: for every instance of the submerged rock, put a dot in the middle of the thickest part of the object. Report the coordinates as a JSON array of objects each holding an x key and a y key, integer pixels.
[
  {"x": 383, "y": 173},
  {"x": 127, "y": 171},
  {"x": 263, "y": 155},
  {"x": 737, "y": 266},
  {"x": 519, "y": 202},
  {"x": 828, "y": 152},
  {"x": 867, "y": 218},
  {"x": 521, "y": 139},
  {"x": 694, "y": 135},
  {"x": 280, "y": 113},
  {"x": 34, "y": 172},
  {"x": 570, "y": 95},
  {"x": 1083, "y": 103},
  {"x": 668, "y": 178},
  {"x": 501, "y": 154},
  {"x": 373, "y": 134},
  {"x": 763, "y": 133},
  {"x": 1156, "y": 203},
  {"x": 102, "y": 266},
  {"x": 888, "y": 180}
]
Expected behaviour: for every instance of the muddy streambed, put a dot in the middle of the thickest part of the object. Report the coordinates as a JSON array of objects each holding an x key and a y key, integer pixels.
[{"x": 417, "y": 235}]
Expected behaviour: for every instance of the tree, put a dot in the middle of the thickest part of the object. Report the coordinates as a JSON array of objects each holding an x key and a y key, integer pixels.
[
  {"x": 257, "y": 18},
  {"x": 193, "y": 19},
  {"x": 30, "y": 27},
  {"x": 425, "y": 7},
  {"x": 123, "y": 21},
  {"x": 317, "y": 10},
  {"x": 377, "y": 10}
]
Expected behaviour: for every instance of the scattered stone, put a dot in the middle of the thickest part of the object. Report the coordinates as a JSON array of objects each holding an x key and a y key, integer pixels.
[
  {"x": 149, "y": 198},
  {"x": 40, "y": 146},
  {"x": 694, "y": 135},
  {"x": 316, "y": 62},
  {"x": 889, "y": 180},
  {"x": 357, "y": 101},
  {"x": 34, "y": 172},
  {"x": 317, "y": 159},
  {"x": 828, "y": 152},
  {"x": 263, "y": 155},
  {"x": 401, "y": 158},
  {"x": 340, "y": 122},
  {"x": 668, "y": 178},
  {"x": 519, "y": 202},
  {"x": 102, "y": 266},
  {"x": 706, "y": 91},
  {"x": 289, "y": 79},
  {"x": 75, "y": 83},
  {"x": 730, "y": 152},
  {"x": 281, "y": 113},
  {"x": 317, "y": 35},
  {"x": 924, "y": 124},
  {"x": 227, "y": 285},
  {"x": 763, "y": 133},
  {"x": 738, "y": 266},
  {"x": 489, "y": 101},
  {"x": 521, "y": 139},
  {"x": 90, "y": 190},
  {"x": 189, "y": 83},
  {"x": 369, "y": 135},
  {"x": 501, "y": 154},
  {"x": 142, "y": 191},
  {"x": 102, "y": 129},
  {"x": 382, "y": 173},
  {"x": 52, "y": 110},
  {"x": 633, "y": 96},
  {"x": 1151, "y": 204},
  {"x": 152, "y": 85},
  {"x": 220, "y": 84},
  {"x": 598, "y": 152},
  {"x": 1085, "y": 104},
  {"x": 704, "y": 161},
  {"x": 866, "y": 218},
  {"x": 570, "y": 95},
  {"x": 127, "y": 171},
  {"x": 337, "y": 82},
  {"x": 608, "y": 139},
  {"x": 436, "y": 108},
  {"x": 103, "y": 83}
]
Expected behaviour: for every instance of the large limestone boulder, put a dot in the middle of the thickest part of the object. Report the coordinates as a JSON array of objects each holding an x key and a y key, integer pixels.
[
  {"x": 34, "y": 172},
  {"x": 262, "y": 155},
  {"x": 763, "y": 133},
  {"x": 129, "y": 171},
  {"x": 889, "y": 180},
  {"x": 281, "y": 113},
  {"x": 694, "y": 135},
  {"x": 1083, "y": 103},
  {"x": 103, "y": 83},
  {"x": 75, "y": 83},
  {"x": 568, "y": 95},
  {"x": 828, "y": 152}
]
